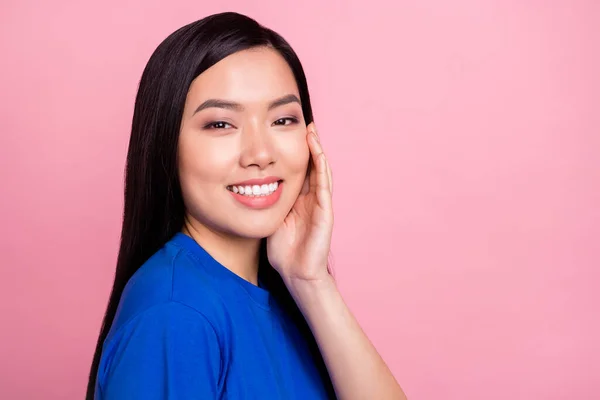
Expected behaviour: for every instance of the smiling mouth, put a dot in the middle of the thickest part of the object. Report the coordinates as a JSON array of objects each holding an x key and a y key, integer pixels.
[{"x": 255, "y": 190}]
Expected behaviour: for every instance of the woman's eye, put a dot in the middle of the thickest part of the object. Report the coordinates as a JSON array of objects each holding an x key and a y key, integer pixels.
[
  {"x": 218, "y": 125},
  {"x": 285, "y": 121}
]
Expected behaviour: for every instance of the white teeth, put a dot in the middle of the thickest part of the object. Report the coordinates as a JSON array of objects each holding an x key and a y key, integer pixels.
[{"x": 255, "y": 190}]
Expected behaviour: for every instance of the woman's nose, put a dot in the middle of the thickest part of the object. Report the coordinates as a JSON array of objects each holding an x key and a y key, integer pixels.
[{"x": 257, "y": 147}]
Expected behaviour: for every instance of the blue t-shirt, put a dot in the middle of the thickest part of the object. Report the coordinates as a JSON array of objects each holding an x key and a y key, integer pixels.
[{"x": 189, "y": 328}]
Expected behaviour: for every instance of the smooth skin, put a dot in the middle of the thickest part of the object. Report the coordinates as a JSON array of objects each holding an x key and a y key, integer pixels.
[{"x": 251, "y": 127}]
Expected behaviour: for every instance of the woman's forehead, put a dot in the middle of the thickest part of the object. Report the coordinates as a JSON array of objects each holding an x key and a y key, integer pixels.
[{"x": 257, "y": 75}]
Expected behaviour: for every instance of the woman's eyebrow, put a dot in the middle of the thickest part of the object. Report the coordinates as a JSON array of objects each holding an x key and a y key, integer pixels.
[
  {"x": 216, "y": 103},
  {"x": 230, "y": 105},
  {"x": 290, "y": 98}
]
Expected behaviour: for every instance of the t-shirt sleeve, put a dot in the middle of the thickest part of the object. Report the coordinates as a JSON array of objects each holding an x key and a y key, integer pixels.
[{"x": 169, "y": 352}]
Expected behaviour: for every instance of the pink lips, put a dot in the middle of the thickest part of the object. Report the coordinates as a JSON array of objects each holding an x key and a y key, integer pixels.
[{"x": 259, "y": 202}]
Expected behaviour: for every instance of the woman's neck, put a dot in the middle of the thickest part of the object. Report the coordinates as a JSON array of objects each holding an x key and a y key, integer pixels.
[{"x": 239, "y": 255}]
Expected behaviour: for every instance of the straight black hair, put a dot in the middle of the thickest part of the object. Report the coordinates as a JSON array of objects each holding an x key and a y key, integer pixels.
[{"x": 154, "y": 208}]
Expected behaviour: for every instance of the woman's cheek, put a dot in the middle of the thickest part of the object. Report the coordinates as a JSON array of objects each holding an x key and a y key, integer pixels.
[
  {"x": 296, "y": 153},
  {"x": 211, "y": 159}
]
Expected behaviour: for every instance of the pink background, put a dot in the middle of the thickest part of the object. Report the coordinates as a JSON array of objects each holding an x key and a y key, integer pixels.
[{"x": 464, "y": 139}]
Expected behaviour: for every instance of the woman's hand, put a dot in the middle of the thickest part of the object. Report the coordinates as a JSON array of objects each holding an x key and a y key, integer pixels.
[{"x": 298, "y": 250}]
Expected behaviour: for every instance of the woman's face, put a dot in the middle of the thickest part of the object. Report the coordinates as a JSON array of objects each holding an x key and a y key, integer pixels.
[{"x": 243, "y": 154}]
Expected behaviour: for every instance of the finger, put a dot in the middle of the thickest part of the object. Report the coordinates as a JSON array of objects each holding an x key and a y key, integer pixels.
[
  {"x": 330, "y": 179},
  {"x": 316, "y": 150},
  {"x": 312, "y": 127},
  {"x": 321, "y": 182}
]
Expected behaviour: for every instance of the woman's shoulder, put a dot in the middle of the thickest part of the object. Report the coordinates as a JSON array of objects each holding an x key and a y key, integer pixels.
[{"x": 170, "y": 276}]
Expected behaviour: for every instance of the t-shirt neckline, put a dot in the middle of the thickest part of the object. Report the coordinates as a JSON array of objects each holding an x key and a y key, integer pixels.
[{"x": 258, "y": 294}]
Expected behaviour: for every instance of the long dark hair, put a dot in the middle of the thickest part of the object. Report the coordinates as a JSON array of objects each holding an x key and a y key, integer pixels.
[{"x": 154, "y": 208}]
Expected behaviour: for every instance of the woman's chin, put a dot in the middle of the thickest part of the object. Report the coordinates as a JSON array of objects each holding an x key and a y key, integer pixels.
[{"x": 257, "y": 231}]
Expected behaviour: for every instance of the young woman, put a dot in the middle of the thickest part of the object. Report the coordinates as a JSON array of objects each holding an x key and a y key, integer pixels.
[{"x": 222, "y": 289}]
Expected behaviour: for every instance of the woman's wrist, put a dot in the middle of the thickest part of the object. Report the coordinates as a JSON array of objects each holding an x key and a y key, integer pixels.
[{"x": 307, "y": 291}]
